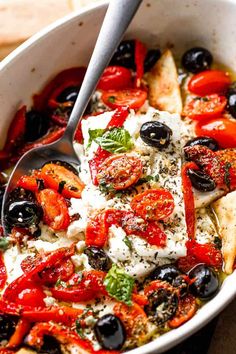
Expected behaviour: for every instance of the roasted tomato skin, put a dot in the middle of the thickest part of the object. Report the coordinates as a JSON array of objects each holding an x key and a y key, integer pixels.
[
  {"x": 187, "y": 307},
  {"x": 153, "y": 204},
  {"x": 32, "y": 295},
  {"x": 133, "y": 98},
  {"x": 222, "y": 129},
  {"x": 115, "y": 78},
  {"x": 119, "y": 171},
  {"x": 209, "y": 82}
]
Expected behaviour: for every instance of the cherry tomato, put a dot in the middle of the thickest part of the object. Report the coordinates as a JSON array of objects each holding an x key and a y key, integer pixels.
[
  {"x": 187, "y": 307},
  {"x": 54, "y": 208},
  {"x": 184, "y": 264},
  {"x": 119, "y": 171},
  {"x": 133, "y": 98},
  {"x": 153, "y": 204},
  {"x": 56, "y": 177},
  {"x": 32, "y": 295},
  {"x": 223, "y": 130},
  {"x": 205, "y": 253},
  {"x": 115, "y": 78},
  {"x": 96, "y": 232},
  {"x": 31, "y": 182},
  {"x": 207, "y": 107},
  {"x": 208, "y": 82}
]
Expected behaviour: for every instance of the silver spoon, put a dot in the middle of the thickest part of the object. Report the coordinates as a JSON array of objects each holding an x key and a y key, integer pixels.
[{"x": 116, "y": 21}]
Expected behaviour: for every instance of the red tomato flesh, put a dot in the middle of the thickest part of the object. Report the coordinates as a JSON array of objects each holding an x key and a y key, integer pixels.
[
  {"x": 115, "y": 78},
  {"x": 208, "y": 82},
  {"x": 187, "y": 307},
  {"x": 32, "y": 295},
  {"x": 133, "y": 98}
]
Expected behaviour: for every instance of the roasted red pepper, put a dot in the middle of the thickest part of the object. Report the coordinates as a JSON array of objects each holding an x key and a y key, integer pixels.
[
  {"x": 22, "y": 329},
  {"x": 16, "y": 130},
  {"x": 3, "y": 272},
  {"x": 189, "y": 198},
  {"x": 205, "y": 253},
  {"x": 139, "y": 56}
]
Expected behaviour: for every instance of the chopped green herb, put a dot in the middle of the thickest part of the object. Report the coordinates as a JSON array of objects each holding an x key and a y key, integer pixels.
[
  {"x": 79, "y": 329},
  {"x": 61, "y": 283},
  {"x": 115, "y": 140},
  {"x": 146, "y": 179},
  {"x": 112, "y": 99},
  {"x": 4, "y": 243},
  {"x": 127, "y": 241},
  {"x": 119, "y": 284},
  {"x": 61, "y": 186},
  {"x": 106, "y": 187},
  {"x": 93, "y": 134}
]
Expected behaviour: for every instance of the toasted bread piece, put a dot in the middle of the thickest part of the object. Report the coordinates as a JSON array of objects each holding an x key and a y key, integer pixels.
[
  {"x": 225, "y": 209},
  {"x": 164, "y": 90},
  {"x": 26, "y": 351}
]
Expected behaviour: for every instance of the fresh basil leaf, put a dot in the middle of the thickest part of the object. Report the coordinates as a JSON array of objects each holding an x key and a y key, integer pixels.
[
  {"x": 93, "y": 134},
  {"x": 127, "y": 241},
  {"x": 4, "y": 243},
  {"x": 119, "y": 284},
  {"x": 116, "y": 140}
]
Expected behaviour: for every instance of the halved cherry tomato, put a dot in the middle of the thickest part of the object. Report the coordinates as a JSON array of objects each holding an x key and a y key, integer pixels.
[
  {"x": 184, "y": 264},
  {"x": 32, "y": 295},
  {"x": 96, "y": 232},
  {"x": 140, "y": 299},
  {"x": 32, "y": 182},
  {"x": 115, "y": 78},
  {"x": 205, "y": 253},
  {"x": 133, "y": 317},
  {"x": 133, "y": 98},
  {"x": 208, "y": 82},
  {"x": 54, "y": 175},
  {"x": 223, "y": 130},
  {"x": 153, "y": 204},
  {"x": 187, "y": 306},
  {"x": 120, "y": 171},
  {"x": 54, "y": 208},
  {"x": 207, "y": 107}
]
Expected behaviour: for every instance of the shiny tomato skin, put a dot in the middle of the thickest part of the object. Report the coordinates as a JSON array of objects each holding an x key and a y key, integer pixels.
[
  {"x": 133, "y": 98},
  {"x": 207, "y": 107},
  {"x": 205, "y": 253},
  {"x": 153, "y": 204},
  {"x": 209, "y": 82},
  {"x": 55, "y": 209},
  {"x": 120, "y": 171},
  {"x": 96, "y": 233},
  {"x": 115, "y": 78},
  {"x": 187, "y": 307},
  {"x": 223, "y": 130},
  {"x": 54, "y": 174},
  {"x": 32, "y": 295}
]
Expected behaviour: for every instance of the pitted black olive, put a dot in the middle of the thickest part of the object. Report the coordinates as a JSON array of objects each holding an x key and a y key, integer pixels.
[
  {"x": 37, "y": 124},
  {"x": 206, "y": 281},
  {"x": 156, "y": 134},
  {"x": 20, "y": 194},
  {"x": 69, "y": 94},
  {"x": 201, "y": 181},
  {"x": 65, "y": 164},
  {"x": 124, "y": 55},
  {"x": 162, "y": 305},
  {"x": 211, "y": 143},
  {"x": 197, "y": 59},
  {"x": 151, "y": 58},
  {"x": 50, "y": 346},
  {"x": 231, "y": 96},
  {"x": 110, "y": 332},
  {"x": 7, "y": 326},
  {"x": 167, "y": 272},
  {"x": 181, "y": 283},
  {"x": 97, "y": 258},
  {"x": 23, "y": 213}
]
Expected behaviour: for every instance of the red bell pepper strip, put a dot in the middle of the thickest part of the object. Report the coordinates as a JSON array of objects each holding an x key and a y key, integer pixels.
[
  {"x": 189, "y": 198},
  {"x": 64, "y": 78},
  {"x": 10, "y": 308},
  {"x": 16, "y": 130},
  {"x": 64, "y": 336},
  {"x": 140, "y": 52},
  {"x": 22, "y": 328},
  {"x": 62, "y": 314},
  {"x": 117, "y": 120},
  {"x": 6, "y": 351},
  {"x": 205, "y": 253},
  {"x": 40, "y": 264},
  {"x": 3, "y": 272}
]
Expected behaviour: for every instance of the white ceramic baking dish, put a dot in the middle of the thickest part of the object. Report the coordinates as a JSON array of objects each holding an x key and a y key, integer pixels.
[{"x": 180, "y": 24}]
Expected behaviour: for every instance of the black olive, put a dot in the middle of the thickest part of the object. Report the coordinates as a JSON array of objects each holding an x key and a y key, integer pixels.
[
  {"x": 197, "y": 59},
  {"x": 23, "y": 213},
  {"x": 151, "y": 58},
  {"x": 181, "y": 283},
  {"x": 97, "y": 258},
  {"x": 231, "y": 96},
  {"x": 167, "y": 272},
  {"x": 206, "y": 281},
  {"x": 65, "y": 164},
  {"x": 201, "y": 181},
  {"x": 50, "y": 346},
  {"x": 69, "y": 94},
  {"x": 7, "y": 326},
  {"x": 162, "y": 305},
  {"x": 205, "y": 141},
  {"x": 110, "y": 332},
  {"x": 124, "y": 55},
  {"x": 37, "y": 124},
  {"x": 20, "y": 194},
  {"x": 156, "y": 134}
]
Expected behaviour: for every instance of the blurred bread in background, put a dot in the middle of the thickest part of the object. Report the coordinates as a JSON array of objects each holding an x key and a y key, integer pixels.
[{"x": 20, "y": 19}]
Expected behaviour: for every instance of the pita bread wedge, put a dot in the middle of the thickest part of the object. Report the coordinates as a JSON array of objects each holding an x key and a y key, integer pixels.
[
  {"x": 225, "y": 210},
  {"x": 26, "y": 351},
  {"x": 164, "y": 90}
]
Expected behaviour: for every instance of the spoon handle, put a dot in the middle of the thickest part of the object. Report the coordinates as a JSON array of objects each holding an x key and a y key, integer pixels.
[{"x": 116, "y": 21}]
